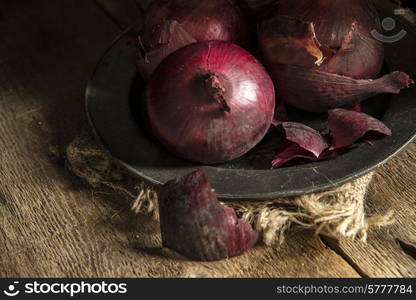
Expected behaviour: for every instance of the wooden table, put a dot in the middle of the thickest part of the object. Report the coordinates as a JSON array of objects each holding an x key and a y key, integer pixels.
[{"x": 54, "y": 225}]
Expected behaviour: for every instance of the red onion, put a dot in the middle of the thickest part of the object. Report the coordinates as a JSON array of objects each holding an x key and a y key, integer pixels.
[
  {"x": 301, "y": 141},
  {"x": 194, "y": 223},
  {"x": 210, "y": 102},
  {"x": 192, "y": 20},
  {"x": 319, "y": 61},
  {"x": 349, "y": 126}
]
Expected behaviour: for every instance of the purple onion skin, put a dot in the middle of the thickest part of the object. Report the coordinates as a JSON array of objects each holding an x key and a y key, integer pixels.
[
  {"x": 196, "y": 225},
  {"x": 334, "y": 22},
  {"x": 348, "y": 126},
  {"x": 204, "y": 20},
  {"x": 210, "y": 102},
  {"x": 317, "y": 91},
  {"x": 288, "y": 152},
  {"x": 320, "y": 54}
]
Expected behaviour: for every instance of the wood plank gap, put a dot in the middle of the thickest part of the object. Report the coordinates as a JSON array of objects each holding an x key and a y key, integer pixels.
[
  {"x": 333, "y": 245},
  {"x": 109, "y": 15},
  {"x": 408, "y": 249}
]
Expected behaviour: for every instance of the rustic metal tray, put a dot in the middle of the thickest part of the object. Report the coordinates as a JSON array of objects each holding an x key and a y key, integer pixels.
[{"x": 117, "y": 119}]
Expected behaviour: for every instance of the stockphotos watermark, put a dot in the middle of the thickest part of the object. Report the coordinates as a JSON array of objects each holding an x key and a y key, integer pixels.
[
  {"x": 71, "y": 289},
  {"x": 389, "y": 24}
]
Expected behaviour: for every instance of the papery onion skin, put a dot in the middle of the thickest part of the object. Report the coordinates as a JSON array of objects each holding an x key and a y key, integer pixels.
[
  {"x": 195, "y": 224},
  {"x": 172, "y": 36},
  {"x": 317, "y": 91},
  {"x": 348, "y": 126},
  {"x": 204, "y": 20},
  {"x": 210, "y": 102},
  {"x": 286, "y": 40},
  {"x": 300, "y": 141}
]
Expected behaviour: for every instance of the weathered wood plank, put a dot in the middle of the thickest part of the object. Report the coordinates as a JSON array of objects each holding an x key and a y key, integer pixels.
[
  {"x": 394, "y": 187},
  {"x": 51, "y": 224}
]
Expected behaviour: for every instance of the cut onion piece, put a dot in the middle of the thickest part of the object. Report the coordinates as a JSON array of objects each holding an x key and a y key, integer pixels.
[{"x": 195, "y": 224}]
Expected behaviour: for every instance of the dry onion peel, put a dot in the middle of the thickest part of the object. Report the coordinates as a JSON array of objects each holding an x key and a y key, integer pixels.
[
  {"x": 171, "y": 37},
  {"x": 195, "y": 224},
  {"x": 301, "y": 141}
]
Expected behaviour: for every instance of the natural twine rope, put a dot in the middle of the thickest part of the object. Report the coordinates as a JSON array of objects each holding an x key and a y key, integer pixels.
[{"x": 338, "y": 212}]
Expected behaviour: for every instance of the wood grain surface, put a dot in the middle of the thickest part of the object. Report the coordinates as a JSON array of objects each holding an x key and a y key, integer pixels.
[{"x": 52, "y": 225}]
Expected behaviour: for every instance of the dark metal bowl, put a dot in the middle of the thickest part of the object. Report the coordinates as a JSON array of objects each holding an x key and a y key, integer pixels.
[{"x": 114, "y": 93}]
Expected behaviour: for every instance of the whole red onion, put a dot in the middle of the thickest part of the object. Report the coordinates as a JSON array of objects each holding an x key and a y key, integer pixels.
[
  {"x": 210, "y": 102},
  {"x": 172, "y": 24},
  {"x": 203, "y": 19},
  {"x": 347, "y": 127},
  {"x": 336, "y": 21},
  {"x": 325, "y": 58}
]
